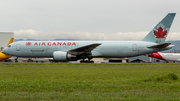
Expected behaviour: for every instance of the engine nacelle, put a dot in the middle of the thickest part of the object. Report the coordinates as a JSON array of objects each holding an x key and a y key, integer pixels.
[{"x": 61, "y": 56}]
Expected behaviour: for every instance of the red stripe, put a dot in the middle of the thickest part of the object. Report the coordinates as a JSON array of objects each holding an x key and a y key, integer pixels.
[{"x": 156, "y": 55}]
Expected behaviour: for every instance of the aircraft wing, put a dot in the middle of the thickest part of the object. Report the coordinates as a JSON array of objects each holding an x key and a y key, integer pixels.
[
  {"x": 163, "y": 45},
  {"x": 85, "y": 49}
]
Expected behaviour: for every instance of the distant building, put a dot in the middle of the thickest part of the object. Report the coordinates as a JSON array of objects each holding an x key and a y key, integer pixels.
[{"x": 4, "y": 39}]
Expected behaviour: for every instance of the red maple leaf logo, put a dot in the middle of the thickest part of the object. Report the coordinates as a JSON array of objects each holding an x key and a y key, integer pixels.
[
  {"x": 28, "y": 43},
  {"x": 160, "y": 33}
]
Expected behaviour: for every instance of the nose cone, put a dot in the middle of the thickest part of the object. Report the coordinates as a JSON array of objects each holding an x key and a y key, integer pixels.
[{"x": 6, "y": 50}]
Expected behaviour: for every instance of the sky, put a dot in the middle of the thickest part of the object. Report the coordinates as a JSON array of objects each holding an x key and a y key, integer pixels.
[{"x": 87, "y": 19}]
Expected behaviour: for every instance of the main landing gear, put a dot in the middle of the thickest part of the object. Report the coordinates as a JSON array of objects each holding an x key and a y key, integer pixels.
[
  {"x": 87, "y": 61},
  {"x": 16, "y": 60}
]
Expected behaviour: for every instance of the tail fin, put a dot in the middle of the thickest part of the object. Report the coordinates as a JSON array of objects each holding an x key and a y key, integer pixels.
[
  {"x": 4, "y": 56},
  {"x": 160, "y": 31},
  {"x": 10, "y": 41}
]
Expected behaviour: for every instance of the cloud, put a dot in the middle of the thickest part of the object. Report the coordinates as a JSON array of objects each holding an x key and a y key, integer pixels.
[{"x": 33, "y": 34}]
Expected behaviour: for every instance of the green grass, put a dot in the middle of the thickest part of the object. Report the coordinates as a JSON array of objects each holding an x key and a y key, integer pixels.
[{"x": 66, "y": 81}]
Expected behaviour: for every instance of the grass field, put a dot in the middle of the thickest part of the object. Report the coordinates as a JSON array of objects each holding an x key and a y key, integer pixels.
[{"x": 66, "y": 81}]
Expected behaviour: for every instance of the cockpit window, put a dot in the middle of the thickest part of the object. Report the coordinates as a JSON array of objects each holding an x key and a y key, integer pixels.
[{"x": 9, "y": 45}]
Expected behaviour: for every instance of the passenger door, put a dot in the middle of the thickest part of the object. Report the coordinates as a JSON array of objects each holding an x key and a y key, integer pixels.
[
  {"x": 134, "y": 47},
  {"x": 18, "y": 47}
]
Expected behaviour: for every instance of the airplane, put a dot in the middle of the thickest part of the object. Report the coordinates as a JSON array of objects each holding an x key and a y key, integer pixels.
[
  {"x": 166, "y": 56},
  {"x": 4, "y": 56},
  {"x": 76, "y": 50}
]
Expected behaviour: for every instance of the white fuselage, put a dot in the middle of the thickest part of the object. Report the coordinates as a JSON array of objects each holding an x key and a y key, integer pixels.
[
  {"x": 170, "y": 56},
  {"x": 106, "y": 49}
]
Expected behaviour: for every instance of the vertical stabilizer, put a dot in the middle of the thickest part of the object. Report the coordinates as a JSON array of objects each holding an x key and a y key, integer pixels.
[
  {"x": 161, "y": 30},
  {"x": 10, "y": 41}
]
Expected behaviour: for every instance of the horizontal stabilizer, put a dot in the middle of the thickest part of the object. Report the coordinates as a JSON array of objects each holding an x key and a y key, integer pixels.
[{"x": 163, "y": 45}]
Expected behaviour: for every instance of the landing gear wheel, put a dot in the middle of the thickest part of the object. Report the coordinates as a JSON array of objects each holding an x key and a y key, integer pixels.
[{"x": 16, "y": 60}]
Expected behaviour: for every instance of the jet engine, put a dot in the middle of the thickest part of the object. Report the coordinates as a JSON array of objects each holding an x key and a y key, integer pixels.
[{"x": 61, "y": 56}]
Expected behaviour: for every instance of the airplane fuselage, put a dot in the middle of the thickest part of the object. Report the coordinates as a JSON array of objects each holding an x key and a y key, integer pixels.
[
  {"x": 166, "y": 56},
  {"x": 171, "y": 56},
  {"x": 108, "y": 49}
]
